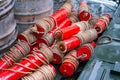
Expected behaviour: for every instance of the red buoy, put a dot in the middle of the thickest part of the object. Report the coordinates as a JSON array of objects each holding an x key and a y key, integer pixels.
[{"x": 84, "y": 12}]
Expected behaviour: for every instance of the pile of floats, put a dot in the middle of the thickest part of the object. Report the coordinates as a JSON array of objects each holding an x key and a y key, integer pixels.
[{"x": 66, "y": 37}]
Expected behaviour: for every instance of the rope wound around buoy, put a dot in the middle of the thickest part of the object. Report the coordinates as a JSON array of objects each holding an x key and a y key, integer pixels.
[
  {"x": 73, "y": 16},
  {"x": 102, "y": 23},
  {"x": 93, "y": 20},
  {"x": 87, "y": 36},
  {"x": 67, "y": 32},
  {"x": 39, "y": 57},
  {"x": 68, "y": 5},
  {"x": 57, "y": 55},
  {"x": 45, "y": 25},
  {"x": 47, "y": 52},
  {"x": 85, "y": 51},
  {"x": 81, "y": 38},
  {"x": 19, "y": 50},
  {"x": 73, "y": 58},
  {"x": 84, "y": 11},
  {"x": 84, "y": 25},
  {"x": 46, "y": 72},
  {"x": 69, "y": 64},
  {"x": 28, "y": 35}
]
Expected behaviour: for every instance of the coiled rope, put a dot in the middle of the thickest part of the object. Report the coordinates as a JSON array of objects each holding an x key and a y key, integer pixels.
[
  {"x": 21, "y": 49},
  {"x": 43, "y": 73}
]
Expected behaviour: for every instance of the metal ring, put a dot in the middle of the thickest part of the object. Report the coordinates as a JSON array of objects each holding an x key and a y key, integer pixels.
[{"x": 102, "y": 37}]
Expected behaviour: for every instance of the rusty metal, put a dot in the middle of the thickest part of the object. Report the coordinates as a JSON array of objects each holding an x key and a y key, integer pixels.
[
  {"x": 8, "y": 32},
  {"x": 28, "y": 12}
]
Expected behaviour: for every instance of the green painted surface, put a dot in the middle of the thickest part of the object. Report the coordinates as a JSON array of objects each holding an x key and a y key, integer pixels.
[{"x": 105, "y": 62}]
